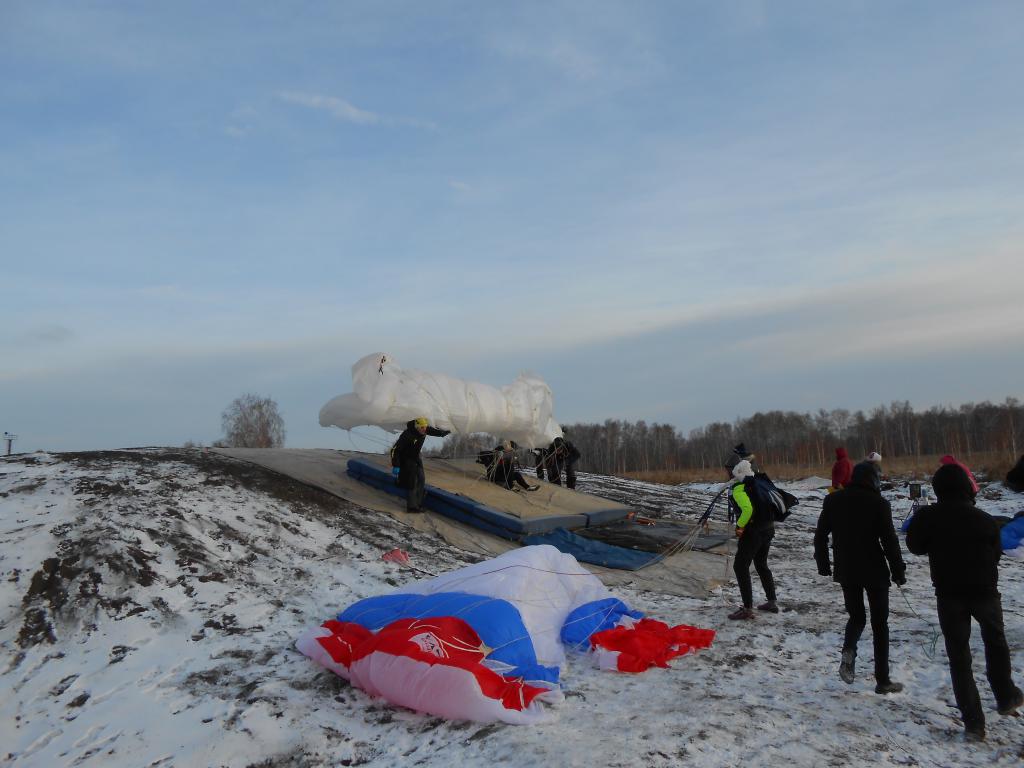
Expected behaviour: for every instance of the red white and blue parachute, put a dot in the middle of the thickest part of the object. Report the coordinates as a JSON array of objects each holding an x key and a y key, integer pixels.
[{"x": 487, "y": 642}]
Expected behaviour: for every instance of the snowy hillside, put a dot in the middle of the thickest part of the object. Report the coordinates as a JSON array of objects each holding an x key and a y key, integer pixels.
[{"x": 151, "y": 598}]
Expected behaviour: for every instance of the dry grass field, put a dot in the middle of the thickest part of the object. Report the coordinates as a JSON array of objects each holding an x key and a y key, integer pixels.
[{"x": 993, "y": 465}]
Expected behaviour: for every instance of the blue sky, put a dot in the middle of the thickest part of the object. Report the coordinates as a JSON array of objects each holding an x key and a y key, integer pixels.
[{"x": 677, "y": 211}]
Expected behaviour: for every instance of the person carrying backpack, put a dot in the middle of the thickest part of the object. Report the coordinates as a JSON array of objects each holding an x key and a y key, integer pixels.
[
  {"x": 865, "y": 552},
  {"x": 755, "y": 528}
]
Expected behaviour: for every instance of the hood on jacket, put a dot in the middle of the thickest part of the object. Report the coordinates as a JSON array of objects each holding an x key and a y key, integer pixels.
[
  {"x": 742, "y": 470},
  {"x": 841, "y": 453},
  {"x": 866, "y": 475},
  {"x": 951, "y": 483}
]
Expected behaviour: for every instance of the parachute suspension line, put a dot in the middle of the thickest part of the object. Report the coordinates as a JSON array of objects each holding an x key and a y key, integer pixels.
[
  {"x": 929, "y": 649},
  {"x": 685, "y": 543}
]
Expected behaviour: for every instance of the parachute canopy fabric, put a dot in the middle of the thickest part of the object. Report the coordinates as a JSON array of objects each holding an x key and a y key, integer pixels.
[
  {"x": 386, "y": 396},
  {"x": 487, "y": 642}
]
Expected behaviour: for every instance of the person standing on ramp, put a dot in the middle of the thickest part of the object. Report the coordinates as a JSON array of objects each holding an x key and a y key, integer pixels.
[{"x": 406, "y": 462}]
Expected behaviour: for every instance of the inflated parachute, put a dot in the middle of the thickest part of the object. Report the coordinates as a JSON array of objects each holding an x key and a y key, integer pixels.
[
  {"x": 385, "y": 395},
  {"x": 487, "y": 642}
]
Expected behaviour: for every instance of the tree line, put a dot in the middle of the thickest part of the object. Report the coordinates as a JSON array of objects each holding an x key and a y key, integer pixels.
[{"x": 803, "y": 439}]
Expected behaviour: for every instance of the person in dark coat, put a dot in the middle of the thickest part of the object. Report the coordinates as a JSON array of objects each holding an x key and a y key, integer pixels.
[
  {"x": 1015, "y": 477},
  {"x": 560, "y": 456},
  {"x": 842, "y": 470},
  {"x": 865, "y": 554},
  {"x": 407, "y": 464},
  {"x": 503, "y": 467},
  {"x": 963, "y": 548},
  {"x": 755, "y": 529}
]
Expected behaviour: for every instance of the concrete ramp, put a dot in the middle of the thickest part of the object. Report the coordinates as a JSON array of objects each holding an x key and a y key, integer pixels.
[
  {"x": 689, "y": 574},
  {"x": 461, "y": 491}
]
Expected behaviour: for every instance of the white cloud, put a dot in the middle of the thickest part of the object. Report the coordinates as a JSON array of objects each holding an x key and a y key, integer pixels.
[
  {"x": 347, "y": 112},
  {"x": 337, "y": 108}
]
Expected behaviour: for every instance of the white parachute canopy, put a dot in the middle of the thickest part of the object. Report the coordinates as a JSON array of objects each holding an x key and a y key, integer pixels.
[{"x": 389, "y": 397}]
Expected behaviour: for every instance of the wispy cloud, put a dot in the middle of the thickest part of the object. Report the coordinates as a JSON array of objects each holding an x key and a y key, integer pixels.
[{"x": 347, "y": 112}]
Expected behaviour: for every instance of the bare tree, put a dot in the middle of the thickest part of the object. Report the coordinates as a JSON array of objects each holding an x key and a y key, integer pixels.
[{"x": 252, "y": 422}]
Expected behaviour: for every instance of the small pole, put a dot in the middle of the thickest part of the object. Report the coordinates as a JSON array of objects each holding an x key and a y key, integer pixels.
[{"x": 10, "y": 439}]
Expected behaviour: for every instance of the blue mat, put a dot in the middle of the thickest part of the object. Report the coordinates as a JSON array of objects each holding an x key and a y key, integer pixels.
[{"x": 595, "y": 552}]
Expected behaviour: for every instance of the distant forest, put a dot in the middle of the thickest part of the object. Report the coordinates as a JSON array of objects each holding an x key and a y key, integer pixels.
[{"x": 794, "y": 439}]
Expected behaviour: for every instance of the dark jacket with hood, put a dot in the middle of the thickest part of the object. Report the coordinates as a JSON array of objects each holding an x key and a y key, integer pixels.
[
  {"x": 406, "y": 453},
  {"x": 842, "y": 470},
  {"x": 865, "y": 549},
  {"x": 961, "y": 541}
]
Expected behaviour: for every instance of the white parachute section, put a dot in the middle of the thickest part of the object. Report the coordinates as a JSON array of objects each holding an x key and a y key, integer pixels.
[{"x": 386, "y": 396}]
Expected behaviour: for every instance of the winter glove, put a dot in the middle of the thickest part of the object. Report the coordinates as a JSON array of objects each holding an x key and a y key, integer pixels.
[
  {"x": 395, "y": 471},
  {"x": 824, "y": 570},
  {"x": 739, "y": 532},
  {"x": 899, "y": 579}
]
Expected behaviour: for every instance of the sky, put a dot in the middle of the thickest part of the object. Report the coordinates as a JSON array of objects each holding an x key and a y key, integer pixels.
[{"x": 682, "y": 212}]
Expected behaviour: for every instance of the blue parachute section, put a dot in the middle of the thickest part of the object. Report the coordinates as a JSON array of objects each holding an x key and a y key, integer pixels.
[
  {"x": 593, "y": 617},
  {"x": 497, "y": 622}
]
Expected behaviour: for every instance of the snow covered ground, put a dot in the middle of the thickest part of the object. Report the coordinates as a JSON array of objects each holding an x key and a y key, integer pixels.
[{"x": 150, "y": 600}]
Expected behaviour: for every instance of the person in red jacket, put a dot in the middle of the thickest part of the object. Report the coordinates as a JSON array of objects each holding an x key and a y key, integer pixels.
[{"x": 842, "y": 470}]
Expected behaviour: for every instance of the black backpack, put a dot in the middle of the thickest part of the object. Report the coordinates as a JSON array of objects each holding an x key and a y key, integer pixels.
[{"x": 770, "y": 502}]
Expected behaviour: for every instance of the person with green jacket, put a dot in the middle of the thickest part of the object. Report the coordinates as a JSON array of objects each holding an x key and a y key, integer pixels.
[{"x": 755, "y": 530}]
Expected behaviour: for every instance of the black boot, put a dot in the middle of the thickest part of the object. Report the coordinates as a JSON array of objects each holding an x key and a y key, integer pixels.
[{"x": 847, "y": 666}]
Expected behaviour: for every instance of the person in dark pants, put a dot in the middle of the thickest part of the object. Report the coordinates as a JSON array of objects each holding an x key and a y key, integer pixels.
[
  {"x": 406, "y": 462},
  {"x": 503, "y": 467},
  {"x": 865, "y": 551},
  {"x": 560, "y": 456},
  {"x": 755, "y": 529},
  {"x": 963, "y": 548}
]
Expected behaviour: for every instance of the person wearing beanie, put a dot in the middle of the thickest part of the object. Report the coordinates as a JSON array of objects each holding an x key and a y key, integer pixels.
[
  {"x": 842, "y": 470},
  {"x": 874, "y": 457},
  {"x": 739, "y": 453},
  {"x": 963, "y": 548},
  {"x": 950, "y": 459},
  {"x": 406, "y": 462},
  {"x": 755, "y": 529},
  {"x": 865, "y": 555}
]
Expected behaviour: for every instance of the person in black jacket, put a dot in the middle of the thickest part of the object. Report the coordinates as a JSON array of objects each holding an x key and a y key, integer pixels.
[
  {"x": 560, "y": 456},
  {"x": 1015, "y": 477},
  {"x": 963, "y": 548},
  {"x": 865, "y": 553},
  {"x": 407, "y": 464},
  {"x": 503, "y": 467}
]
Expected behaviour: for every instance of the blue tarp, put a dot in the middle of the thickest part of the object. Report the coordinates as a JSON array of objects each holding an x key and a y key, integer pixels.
[
  {"x": 596, "y": 552},
  {"x": 1012, "y": 533}
]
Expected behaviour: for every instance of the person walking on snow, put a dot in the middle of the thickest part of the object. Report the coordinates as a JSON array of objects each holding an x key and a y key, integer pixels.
[
  {"x": 963, "y": 548},
  {"x": 842, "y": 470},
  {"x": 406, "y": 463},
  {"x": 865, "y": 552},
  {"x": 755, "y": 529}
]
